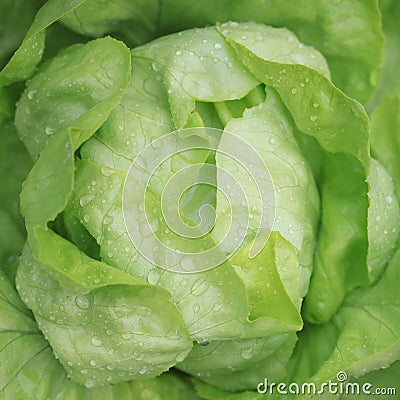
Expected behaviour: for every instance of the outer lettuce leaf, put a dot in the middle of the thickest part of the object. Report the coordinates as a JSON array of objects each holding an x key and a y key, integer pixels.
[
  {"x": 385, "y": 137},
  {"x": 46, "y": 176},
  {"x": 14, "y": 165},
  {"x": 386, "y": 378},
  {"x": 314, "y": 346},
  {"x": 29, "y": 370},
  {"x": 363, "y": 336},
  {"x": 22, "y": 347},
  {"x": 104, "y": 325},
  {"x": 16, "y": 16},
  {"x": 348, "y": 32},
  {"x": 383, "y": 220},
  {"x": 382, "y": 383},
  {"x": 209, "y": 392},
  {"x": 390, "y": 81},
  {"x": 135, "y": 21},
  {"x": 23, "y": 63},
  {"x": 340, "y": 126},
  {"x": 81, "y": 85},
  {"x": 241, "y": 364}
]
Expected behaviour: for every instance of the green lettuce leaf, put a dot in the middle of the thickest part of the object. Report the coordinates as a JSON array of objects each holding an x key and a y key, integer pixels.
[
  {"x": 23, "y": 63},
  {"x": 16, "y": 17},
  {"x": 240, "y": 365},
  {"x": 385, "y": 137},
  {"x": 39, "y": 188},
  {"x": 363, "y": 336},
  {"x": 209, "y": 392},
  {"x": 82, "y": 84},
  {"x": 269, "y": 130},
  {"x": 389, "y": 82},
  {"x": 104, "y": 325},
  {"x": 14, "y": 165},
  {"x": 237, "y": 364},
  {"x": 30, "y": 371},
  {"x": 385, "y": 379},
  {"x": 210, "y": 78},
  {"x": 383, "y": 220}
]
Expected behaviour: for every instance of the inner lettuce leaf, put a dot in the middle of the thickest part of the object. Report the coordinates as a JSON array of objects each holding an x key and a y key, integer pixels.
[
  {"x": 215, "y": 73},
  {"x": 268, "y": 128},
  {"x": 208, "y": 300}
]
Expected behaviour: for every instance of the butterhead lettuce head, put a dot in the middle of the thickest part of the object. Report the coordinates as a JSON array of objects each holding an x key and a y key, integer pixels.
[{"x": 209, "y": 197}]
